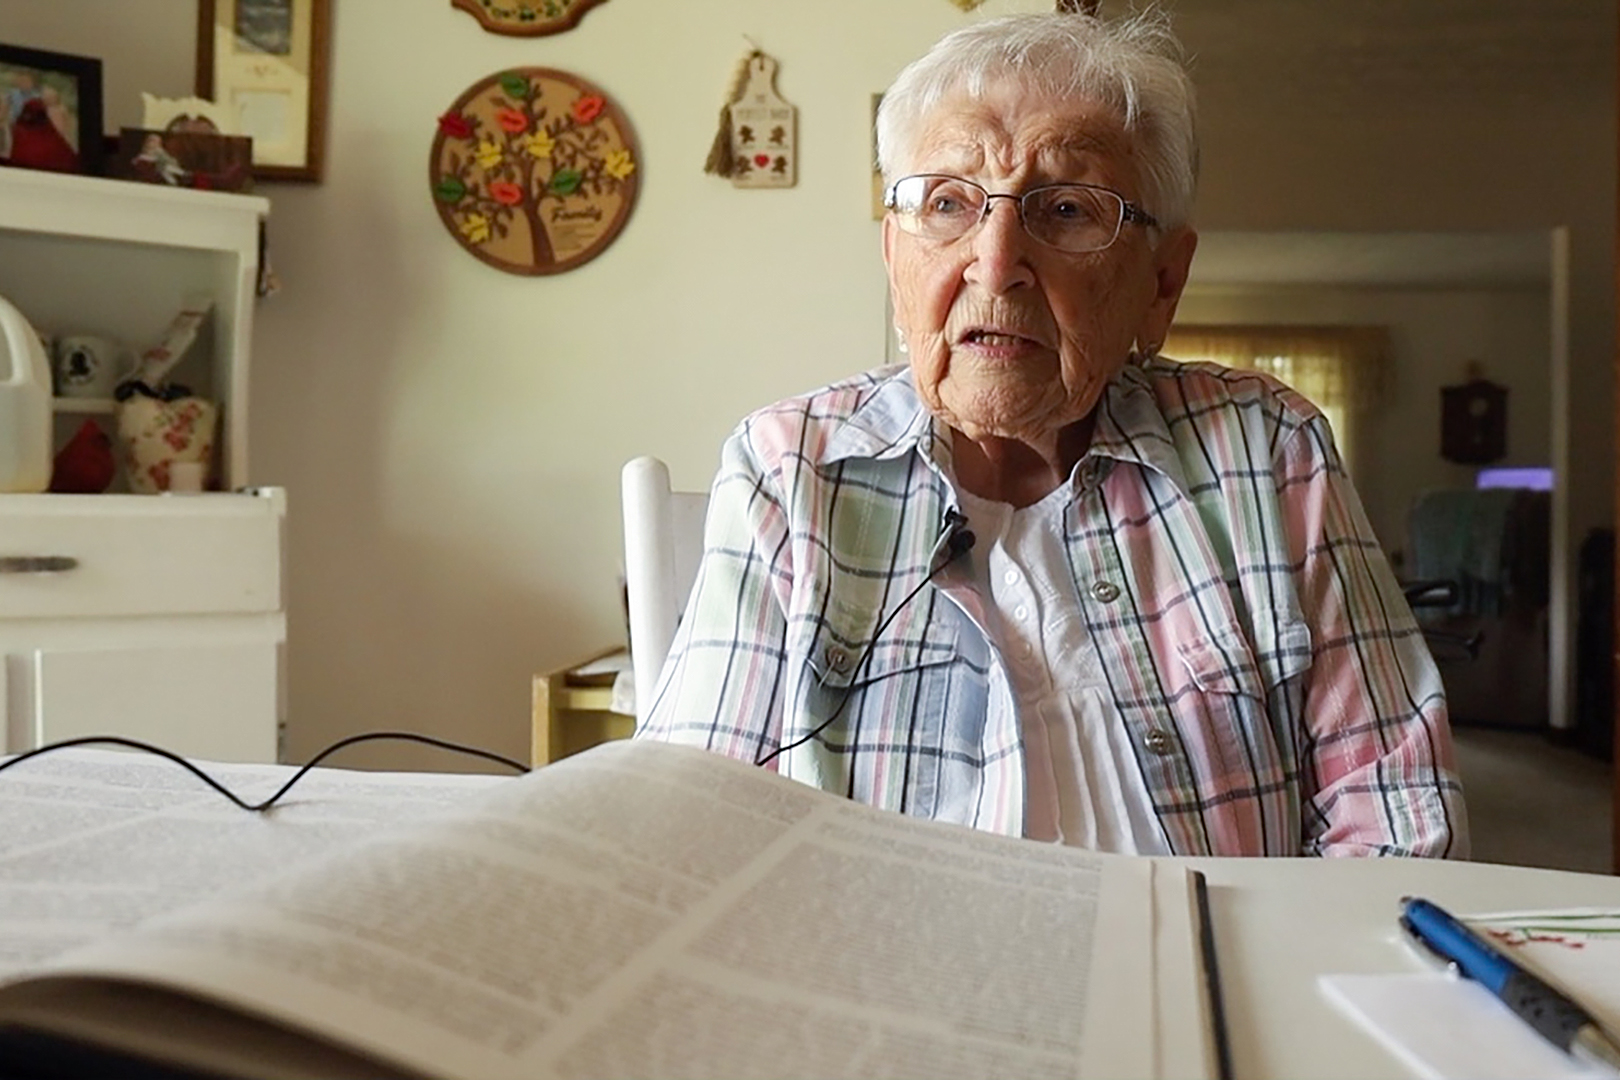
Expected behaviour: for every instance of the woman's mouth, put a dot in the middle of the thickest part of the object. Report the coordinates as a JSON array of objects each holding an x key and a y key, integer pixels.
[{"x": 997, "y": 342}]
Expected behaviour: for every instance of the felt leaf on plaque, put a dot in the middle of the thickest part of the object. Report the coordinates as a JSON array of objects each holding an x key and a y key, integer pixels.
[
  {"x": 515, "y": 85},
  {"x": 456, "y": 126},
  {"x": 565, "y": 181}
]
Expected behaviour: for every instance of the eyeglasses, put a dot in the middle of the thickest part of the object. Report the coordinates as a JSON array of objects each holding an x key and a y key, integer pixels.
[{"x": 1076, "y": 218}]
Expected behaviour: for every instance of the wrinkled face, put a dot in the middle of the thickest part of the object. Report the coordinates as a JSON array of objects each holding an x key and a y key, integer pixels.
[{"x": 1009, "y": 337}]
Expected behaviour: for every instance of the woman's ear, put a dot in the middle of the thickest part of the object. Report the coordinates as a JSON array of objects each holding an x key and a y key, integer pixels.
[{"x": 1172, "y": 261}]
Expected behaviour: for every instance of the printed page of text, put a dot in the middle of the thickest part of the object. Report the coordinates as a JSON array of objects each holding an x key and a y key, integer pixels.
[{"x": 654, "y": 910}]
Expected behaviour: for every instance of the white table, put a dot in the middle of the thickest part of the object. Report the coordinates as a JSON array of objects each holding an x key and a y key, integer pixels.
[{"x": 1280, "y": 923}]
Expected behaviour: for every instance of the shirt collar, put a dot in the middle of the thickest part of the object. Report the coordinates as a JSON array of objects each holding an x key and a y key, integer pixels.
[
  {"x": 889, "y": 422},
  {"x": 1131, "y": 425},
  {"x": 892, "y": 420}
]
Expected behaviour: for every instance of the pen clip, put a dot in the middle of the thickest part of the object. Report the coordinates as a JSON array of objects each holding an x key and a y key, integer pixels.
[{"x": 1428, "y": 952}]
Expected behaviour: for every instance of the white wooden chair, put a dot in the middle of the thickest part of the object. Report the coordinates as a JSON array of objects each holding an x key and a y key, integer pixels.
[{"x": 663, "y": 542}]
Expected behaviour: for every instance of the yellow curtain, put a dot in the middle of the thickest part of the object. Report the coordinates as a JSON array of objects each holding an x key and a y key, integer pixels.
[{"x": 1340, "y": 369}]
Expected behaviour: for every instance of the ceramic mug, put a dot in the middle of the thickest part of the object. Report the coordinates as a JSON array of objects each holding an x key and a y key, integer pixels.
[{"x": 86, "y": 366}]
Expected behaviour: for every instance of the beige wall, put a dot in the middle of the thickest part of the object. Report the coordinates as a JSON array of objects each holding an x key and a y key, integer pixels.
[{"x": 451, "y": 436}]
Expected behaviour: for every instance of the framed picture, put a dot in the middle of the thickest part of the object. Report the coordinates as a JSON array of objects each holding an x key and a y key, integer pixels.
[
  {"x": 50, "y": 111},
  {"x": 878, "y": 209},
  {"x": 184, "y": 156},
  {"x": 265, "y": 60}
]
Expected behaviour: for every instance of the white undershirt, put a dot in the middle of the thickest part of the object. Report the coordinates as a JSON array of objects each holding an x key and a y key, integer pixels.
[{"x": 1084, "y": 787}]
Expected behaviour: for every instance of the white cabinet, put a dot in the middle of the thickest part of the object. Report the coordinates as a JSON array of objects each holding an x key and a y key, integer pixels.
[{"x": 157, "y": 617}]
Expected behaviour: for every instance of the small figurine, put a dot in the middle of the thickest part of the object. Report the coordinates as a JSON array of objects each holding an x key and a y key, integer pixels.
[{"x": 85, "y": 466}]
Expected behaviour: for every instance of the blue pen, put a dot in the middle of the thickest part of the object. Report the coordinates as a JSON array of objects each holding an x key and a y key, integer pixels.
[{"x": 1551, "y": 1013}]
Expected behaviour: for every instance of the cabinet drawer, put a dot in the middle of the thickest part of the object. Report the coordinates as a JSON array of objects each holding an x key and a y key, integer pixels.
[{"x": 65, "y": 556}]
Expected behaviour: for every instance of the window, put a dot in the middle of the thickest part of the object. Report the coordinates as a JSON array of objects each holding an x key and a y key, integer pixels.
[{"x": 1338, "y": 368}]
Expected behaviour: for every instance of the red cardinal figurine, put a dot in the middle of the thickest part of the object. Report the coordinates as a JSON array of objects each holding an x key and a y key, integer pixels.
[
  {"x": 36, "y": 144},
  {"x": 85, "y": 465}
]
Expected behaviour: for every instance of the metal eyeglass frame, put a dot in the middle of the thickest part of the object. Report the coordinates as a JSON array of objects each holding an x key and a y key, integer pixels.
[{"x": 1129, "y": 211}]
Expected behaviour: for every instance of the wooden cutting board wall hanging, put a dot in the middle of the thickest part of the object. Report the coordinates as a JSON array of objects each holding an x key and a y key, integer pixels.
[
  {"x": 759, "y": 130},
  {"x": 534, "y": 170}
]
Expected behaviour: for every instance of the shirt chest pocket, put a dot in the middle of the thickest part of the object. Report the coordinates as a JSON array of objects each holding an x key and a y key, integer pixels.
[
  {"x": 877, "y": 679},
  {"x": 1240, "y": 702}
]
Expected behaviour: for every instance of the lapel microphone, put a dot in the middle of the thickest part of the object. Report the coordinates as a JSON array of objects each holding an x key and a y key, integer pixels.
[
  {"x": 954, "y": 542},
  {"x": 959, "y": 540}
]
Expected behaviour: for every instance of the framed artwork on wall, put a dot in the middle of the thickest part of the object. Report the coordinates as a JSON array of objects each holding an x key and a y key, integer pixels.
[
  {"x": 534, "y": 170},
  {"x": 50, "y": 110},
  {"x": 266, "y": 62},
  {"x": 878, "y": 209}
]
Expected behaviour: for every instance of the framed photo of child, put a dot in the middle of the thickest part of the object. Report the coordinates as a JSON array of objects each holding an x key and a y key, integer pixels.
[
  {"x": 185, "y": 155},
  {"x": 50, "y": 110}
]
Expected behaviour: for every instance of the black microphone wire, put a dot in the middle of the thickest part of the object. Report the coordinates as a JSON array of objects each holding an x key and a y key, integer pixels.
[
  {"x": 170, "y": 755},
  {"x": 961, "y": 542}
]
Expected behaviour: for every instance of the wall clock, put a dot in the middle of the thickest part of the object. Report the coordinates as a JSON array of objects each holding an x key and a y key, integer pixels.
[
  {"x": 526, "y": 18},
  {"x": 534, "y": 170}
]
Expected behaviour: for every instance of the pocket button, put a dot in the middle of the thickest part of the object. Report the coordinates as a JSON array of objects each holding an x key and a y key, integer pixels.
[{"x": 837, "y": 658}]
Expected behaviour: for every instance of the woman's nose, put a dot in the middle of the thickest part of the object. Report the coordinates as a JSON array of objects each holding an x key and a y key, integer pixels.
[{"x": 1001, "y": 248}]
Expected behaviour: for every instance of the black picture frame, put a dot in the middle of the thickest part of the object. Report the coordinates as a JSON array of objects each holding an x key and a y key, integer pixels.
[{"x": 73, "y": 84}]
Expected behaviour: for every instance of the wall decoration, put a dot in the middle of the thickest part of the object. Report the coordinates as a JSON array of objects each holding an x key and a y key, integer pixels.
[
  {"x": 1473, "y": 420},
  {"x": 756, "y": 143},
  {"x": 194, "y": 159},
  {"x": 534, "y": 170},
  {"x": 527, "y": 18},
  {"x": 264, "y": 61},
  {"x": 50, "y": 111},
  {"x": 878, "y": 209}
]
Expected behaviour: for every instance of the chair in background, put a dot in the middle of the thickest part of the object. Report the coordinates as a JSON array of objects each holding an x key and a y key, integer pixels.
[
  {"x": 1489, "y": 637},
  {"x": 663, "y": 542}
]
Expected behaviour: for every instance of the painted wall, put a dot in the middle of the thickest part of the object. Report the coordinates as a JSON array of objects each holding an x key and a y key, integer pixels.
[{"x": 451, "y": 436}]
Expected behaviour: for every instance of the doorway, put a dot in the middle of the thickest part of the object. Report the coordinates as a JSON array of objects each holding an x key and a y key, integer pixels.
[{"x": 1451, "y": 309}]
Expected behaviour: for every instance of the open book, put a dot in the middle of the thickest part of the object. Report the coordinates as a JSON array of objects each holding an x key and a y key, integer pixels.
[{"x": 638, "y": 910}]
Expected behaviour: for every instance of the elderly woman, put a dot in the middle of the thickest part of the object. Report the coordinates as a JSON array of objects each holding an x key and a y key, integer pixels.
[{"x": 1042, "y": 581}]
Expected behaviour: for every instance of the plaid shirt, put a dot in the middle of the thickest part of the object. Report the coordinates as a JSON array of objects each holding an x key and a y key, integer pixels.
[{"x": 1278, "y": 694}]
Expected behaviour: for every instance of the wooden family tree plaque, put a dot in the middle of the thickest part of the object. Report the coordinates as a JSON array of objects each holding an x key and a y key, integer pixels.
[
  {"x": 534, "y": 171},
  {"x": 526, "y": 18}
]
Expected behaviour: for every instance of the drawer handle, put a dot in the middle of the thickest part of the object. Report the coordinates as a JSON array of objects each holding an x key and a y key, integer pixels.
[{"x": 36, "y": 564}]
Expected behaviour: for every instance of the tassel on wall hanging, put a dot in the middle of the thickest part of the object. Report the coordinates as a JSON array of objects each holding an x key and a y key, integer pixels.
[{"x": 756, "y": 143}]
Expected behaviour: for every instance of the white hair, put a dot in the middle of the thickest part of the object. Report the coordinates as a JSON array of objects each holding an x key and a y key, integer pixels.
[{"x": 1134, "y": 65}]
